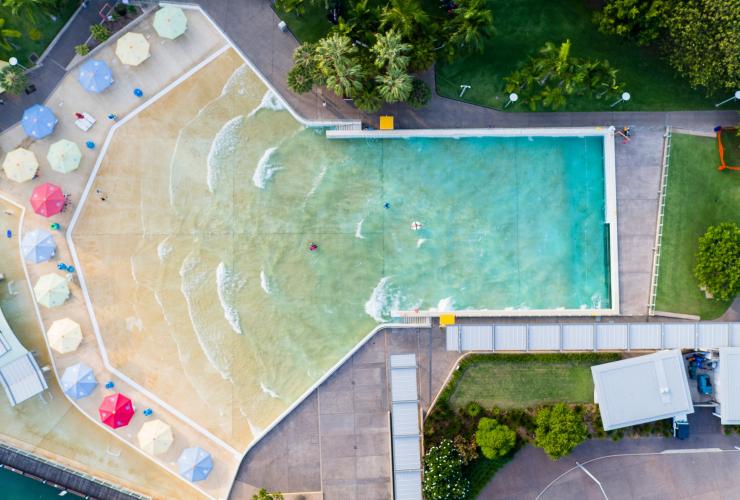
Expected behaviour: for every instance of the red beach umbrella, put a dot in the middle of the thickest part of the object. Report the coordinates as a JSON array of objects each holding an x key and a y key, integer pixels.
[
  {"x": 47, "y": 199},
  {"x": 116, "y": 410}
]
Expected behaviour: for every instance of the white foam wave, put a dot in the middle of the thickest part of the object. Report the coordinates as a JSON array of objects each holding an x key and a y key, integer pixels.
[
  {"x": 382, "y": 301},
  {"x": 446, "y": 304},
  {"x": 264, "y": 283},
  {"x": 420, "y": 242},
  {"x": 358, "y": 230},
  {"x": 227, "y": 283},
  {"x": 269, "y": 392},
  {"x": 269, "y": 101},
  {"x": 164, "y": 249},
  {"x": 235, "y": 81},
  {"x": 134, "y": 322},
  {"x": 222, "y": 147},
  {"x": 264, "y": 170},
  {"x": 256, "y": 431},
  {"x": 317, "y": 181}
]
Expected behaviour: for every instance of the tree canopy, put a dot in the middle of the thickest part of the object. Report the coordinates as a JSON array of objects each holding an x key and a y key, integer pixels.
[
  {"x": 718, "y": 261},
  {"x": 559, "y": 430},
  {"x": 494, "y": 439}
]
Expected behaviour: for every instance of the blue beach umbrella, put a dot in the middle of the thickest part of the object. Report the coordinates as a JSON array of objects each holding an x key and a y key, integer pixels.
[
  {"x": 95, "y": 76},
  {"x": 194, "y": 464},
  {"x": 78, "y": 381},
  {"x": 38, "y": 246},
  {"x": 38, "y": 121}
]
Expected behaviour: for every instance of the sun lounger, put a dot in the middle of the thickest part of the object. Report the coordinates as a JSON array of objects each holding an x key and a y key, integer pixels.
[{"x": 85, "y": 122}]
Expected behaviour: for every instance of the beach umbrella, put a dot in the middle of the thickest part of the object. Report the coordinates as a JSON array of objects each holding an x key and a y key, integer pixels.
[
  {"x": 20, "y": 165},
  {"x": 38, "y": 246},
  {"x": 155, "y": 437},
  {"x": 64, "y": 156},
  {"x": 194, "y": 464},
  {"x": 132, "y": 49},
  {"x": 38, "y": 121},
  {"x": 51, "y": 290},
  {"x": 170, "y": 22},
  {"x": 64, "y": 336},
  {"x": 47, "y": 199},
  {"x": 78, "y": 381},
  {"x": 116, "y": 410},
  {"x": 95, "y": 76}
]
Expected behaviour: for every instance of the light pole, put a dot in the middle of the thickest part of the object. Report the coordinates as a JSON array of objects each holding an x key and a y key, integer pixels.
[
  {"x": 513, "y": 97},
  {"x": 464, "y": 88},
  {"x": 735, "y": 97},
  {"x": 625, "y": 97},
  {"x": 13, "y": 61}
]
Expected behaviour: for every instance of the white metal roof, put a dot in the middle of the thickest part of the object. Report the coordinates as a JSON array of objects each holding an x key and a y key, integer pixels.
[
  {"x": 477, "y": 338},
  {"x": 22, "y": 379},
  {"x": 403, "y": 361},
  {"x": 728, "y": 391},
  {"x": 403, "y": 384},
  {"x": 642, "y": 389},
  {"x": 405, "y": 418},
  {"x": 406, "y": 453},
  {"x": 407, "y": 485},
  {"x": 510, "y": 338},
  {"x": 544, "y": 337},
  {"x": 4, "y": 346}
]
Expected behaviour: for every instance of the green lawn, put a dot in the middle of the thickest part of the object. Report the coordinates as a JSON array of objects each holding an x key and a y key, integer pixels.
[
  {"x": 512, "y": 382},
  {"x": 698, "y": 196},
  {"x": 307, "y": 27},
  {"x": 523, "y": 26},
  {"x": 25, "y": 46}
]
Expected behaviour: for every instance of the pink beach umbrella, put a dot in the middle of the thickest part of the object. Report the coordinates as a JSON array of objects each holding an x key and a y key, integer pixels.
[{"x": 47, "y": 199}]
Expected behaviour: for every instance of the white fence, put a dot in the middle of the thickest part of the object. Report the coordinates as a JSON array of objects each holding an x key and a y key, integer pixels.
[{"x": 592, "y": 336}]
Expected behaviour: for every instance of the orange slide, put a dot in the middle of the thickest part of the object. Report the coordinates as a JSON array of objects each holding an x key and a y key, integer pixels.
[{"x": 721, "y": 148}]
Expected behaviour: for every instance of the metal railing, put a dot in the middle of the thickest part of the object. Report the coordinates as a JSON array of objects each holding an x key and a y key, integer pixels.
[{"x": 659, "y": 223}]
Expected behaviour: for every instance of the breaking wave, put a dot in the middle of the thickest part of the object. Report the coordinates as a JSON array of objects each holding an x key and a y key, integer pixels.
[
  {"x": 382, "y": 301},
  {"x": 265, "y": 169},
  {"x": 358, "y": 230},
  {"x": 264, "y": 283},
  {"x": 227, "y": 284},
  {"x": 222, "y": 147},
  {"x": 269, "y": 101}
]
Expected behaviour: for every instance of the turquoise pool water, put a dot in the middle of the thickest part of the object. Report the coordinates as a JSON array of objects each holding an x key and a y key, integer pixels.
[
  {"x": 17, "y": 487},
  {"x": 218, "y": 245}
]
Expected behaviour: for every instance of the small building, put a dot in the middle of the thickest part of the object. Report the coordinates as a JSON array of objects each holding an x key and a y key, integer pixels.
[
  {"x": 727, "y": 386},
  {"x": 642, "y": 389}
]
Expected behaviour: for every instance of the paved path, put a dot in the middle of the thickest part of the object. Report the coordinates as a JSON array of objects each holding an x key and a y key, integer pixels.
[
  {"x": 645, "y": 477},
  {"x": 50, "y": 72},
  {"x": 338, "y": 440}
]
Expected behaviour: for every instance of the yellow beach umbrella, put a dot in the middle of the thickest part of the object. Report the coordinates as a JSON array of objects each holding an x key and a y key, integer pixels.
[
  {"x": 170, "y": 22},
  {"x": 64, "y": 156},
  {"x": 64, "y": 335},
  {"x": 51, "y": 290},
  {"x": 155, "y": 437},
  {"x": 132, "y": 49},
  {"x": 20, "y": 165}
]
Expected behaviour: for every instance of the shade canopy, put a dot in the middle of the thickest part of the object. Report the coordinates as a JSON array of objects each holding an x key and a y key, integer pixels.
[
  {"x": 20, "y": 165},
  {"x": 155, "y": 437},
  {"x": 95, "y": 76},
  {"x": 116, "y": 410},
  {"x": 47, "y": 199},
  {"x": 194, "y": 464},
  {"x": 78, "y": 381},
  {"x": 51, "y": 290},
  {"x": 64, "y": 335},
  {"x": 132, "y": 49},
  {"x": 38, "y": 246},
  {"x": 64, "y": 156},
  {"x": 170, "y": 22},
  {"x": 38, "y": 121}
]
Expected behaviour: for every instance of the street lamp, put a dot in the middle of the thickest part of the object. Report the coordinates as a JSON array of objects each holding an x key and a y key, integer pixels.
[
  {"x": 513, "y": 97},
  {"x": 735, "y": 97},
  {"x": 625, "y": 97},
  {"x": 13, "y": 61},
  {"x": 464, "y": 88}
]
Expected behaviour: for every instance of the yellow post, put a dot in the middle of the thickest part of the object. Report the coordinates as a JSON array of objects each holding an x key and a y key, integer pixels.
[
  {"x": 386, "y": 122},
  {"x": 446, "y": 319}
]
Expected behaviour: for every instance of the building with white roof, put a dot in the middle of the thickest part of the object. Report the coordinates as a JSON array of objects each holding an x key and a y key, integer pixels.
[
  {"x": 642, "y": 389},
  {"x": 727, "y": 386},
  {"x": 20, "y": 375}
]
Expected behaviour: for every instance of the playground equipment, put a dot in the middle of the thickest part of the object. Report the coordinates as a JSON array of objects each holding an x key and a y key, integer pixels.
[{"x": 723, "y": 164}]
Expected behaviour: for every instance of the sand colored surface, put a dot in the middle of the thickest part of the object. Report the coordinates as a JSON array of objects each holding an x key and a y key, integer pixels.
[{"x": 170, "y": 60}]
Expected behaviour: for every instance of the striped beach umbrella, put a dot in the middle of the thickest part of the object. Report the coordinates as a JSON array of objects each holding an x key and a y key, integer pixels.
[
  {"x": 47, "y": 199},
  {"x": 116, "y": 410},
  {"x": 64, "y": 335},
  {"x": 194, "y": 464},
  {"x": 170, "y": 22},
  {"x": 20, "y": 165},
  {"x": 132, "y": 49},
  {"x": 51, "y": 290},
  {"x": 64, "y": 156},
  {"x": 95, "y": 76},
  {"x": 38, "y": 121},
  {"x": 155, "y": 437},
  {"x": 78, "y": 381},
  {"x": 38, "y": 246}
]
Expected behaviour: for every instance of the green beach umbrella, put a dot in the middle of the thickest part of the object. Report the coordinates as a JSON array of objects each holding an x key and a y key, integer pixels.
[
  {"x": 170, "y": 22},
  {"x": 64, "y": 156},
  {"x": 51, "y": 290}
]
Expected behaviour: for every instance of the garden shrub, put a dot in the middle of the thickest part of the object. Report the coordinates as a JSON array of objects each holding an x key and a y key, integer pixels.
[
  {"x": 82, "y": 49},
  {"x": 467, "y": 449},
  {"x": 494, "y": 439},
  {"x": 718, "y": 261},
  {"x": 99, "y": 32},
  {"x": 473, "y": 409},
  {"x": 559, "y": 430},
  {"x": 420, "y": 94},
  {"x": 443, "y": 478}
]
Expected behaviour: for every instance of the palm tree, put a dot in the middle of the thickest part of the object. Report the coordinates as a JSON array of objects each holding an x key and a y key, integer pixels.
[
  {"x": 6, "y": 34},
  {"x": 390, "y": 51},
  {"x": 28, "y": 8},
  {"x": 336, "y": 61},
  {"x": 472, "y": 25},
  {"x": 13, "y": 79},
  {"x": 395, "y": 85},
  {"x": 364, "y": 20},
  {"x": 407, "y": 17}
]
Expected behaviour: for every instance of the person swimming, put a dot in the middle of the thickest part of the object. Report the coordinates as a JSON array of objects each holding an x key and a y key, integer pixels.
[{"x": 313, "y": 247}]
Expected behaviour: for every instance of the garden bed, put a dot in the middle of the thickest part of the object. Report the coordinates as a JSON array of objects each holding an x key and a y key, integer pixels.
[{"x": 698, "y": 196}]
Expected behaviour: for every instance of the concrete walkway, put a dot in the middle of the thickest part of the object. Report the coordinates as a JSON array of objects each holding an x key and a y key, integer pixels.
[{"x": 337, "y": 442}]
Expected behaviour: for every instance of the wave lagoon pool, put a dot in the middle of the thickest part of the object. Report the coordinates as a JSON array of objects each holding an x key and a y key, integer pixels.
[{"x": 198, "y": 262}]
